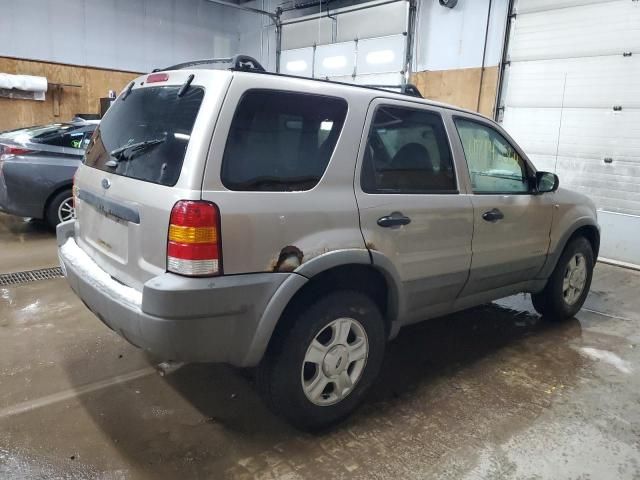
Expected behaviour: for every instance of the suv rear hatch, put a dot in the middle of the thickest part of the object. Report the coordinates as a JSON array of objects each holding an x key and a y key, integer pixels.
[{"x": 148, "y": 153}]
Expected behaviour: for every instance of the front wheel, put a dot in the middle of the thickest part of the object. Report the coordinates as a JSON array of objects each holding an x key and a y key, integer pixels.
[
  {"x": 568, "y": 286},
  {"x": 318, "y": 372}
]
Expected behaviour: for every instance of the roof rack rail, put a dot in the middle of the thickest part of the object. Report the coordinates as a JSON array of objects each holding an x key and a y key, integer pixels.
[
  {"x": 237, "y": 62},
  {"x": 406, "y": 89}
]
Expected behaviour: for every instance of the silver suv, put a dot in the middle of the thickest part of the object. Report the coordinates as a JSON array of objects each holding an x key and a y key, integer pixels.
[{"x": 296, "y": 225}]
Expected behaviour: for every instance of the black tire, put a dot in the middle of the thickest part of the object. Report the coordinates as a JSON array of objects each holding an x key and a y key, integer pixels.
[
  {"x": 551, "y": 302},
  {"x": 51, "y": 214},
  {"x": 280, "y": 376}
]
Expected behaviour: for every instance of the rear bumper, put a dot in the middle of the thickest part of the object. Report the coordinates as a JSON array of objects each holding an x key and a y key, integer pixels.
[{"x": 174, "y": 317}]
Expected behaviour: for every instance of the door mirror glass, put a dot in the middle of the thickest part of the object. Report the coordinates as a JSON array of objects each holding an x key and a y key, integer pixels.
[{"x": 547, "y": 182}]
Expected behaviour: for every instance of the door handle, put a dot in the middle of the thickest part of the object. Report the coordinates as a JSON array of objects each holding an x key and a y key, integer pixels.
[
  {"x": 493, "y": 215},
  {"x": 395, "y": 219}
]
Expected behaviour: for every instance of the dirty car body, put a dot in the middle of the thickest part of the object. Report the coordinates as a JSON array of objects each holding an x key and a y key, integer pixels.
[{"x": 315, "y": 186}]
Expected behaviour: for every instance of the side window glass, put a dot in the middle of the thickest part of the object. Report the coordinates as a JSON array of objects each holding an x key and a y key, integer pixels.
[
  {"x": 407, "y": 152},
  {"x": 494, "y": 166},
  {"x": 281, "y": 141}
]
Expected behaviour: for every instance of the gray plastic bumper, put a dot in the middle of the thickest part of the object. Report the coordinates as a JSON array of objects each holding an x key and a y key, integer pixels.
[{"x": 225, "y": 319}]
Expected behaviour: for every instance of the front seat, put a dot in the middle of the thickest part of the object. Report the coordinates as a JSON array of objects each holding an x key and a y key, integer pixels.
[{"x": 410, "y": 168}]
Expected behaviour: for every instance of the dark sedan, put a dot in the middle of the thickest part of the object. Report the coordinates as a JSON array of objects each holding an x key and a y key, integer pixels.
[{"x": 37, "y": 165}]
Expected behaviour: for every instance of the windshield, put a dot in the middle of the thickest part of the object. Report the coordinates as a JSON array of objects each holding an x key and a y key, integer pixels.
[{"x": 145, "y": 135}]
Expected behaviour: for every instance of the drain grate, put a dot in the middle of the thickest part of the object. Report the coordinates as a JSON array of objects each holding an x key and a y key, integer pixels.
[{"x": 18, "y": 278}]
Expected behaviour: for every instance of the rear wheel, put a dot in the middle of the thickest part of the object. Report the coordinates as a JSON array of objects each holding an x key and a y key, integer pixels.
[
  {"x": 318, "y": 372},
  {"x": 60, "y": 208},
  {"x": 568, "y": 286}
]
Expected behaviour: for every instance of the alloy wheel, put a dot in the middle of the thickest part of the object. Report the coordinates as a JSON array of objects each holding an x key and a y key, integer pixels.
[
  {"x": 66, "y": 210},
  {"x": 334, "y": 362},
  {"x": 575, "y": 278}
]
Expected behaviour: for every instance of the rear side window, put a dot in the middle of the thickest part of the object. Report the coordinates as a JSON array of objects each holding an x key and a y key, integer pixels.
[
  {"x": 145, "y": 135},
  {"x": 281, "y": 141},
  {"x": 407, "y": 152}
]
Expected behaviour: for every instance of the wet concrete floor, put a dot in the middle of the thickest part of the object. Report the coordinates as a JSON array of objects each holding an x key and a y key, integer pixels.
[{"x": 492, "y": 392}]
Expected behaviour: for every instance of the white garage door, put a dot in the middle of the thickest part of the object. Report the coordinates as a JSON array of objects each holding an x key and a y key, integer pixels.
[
  {"x": 365, "y": 47},
  {"x": 572, "y": 100}
]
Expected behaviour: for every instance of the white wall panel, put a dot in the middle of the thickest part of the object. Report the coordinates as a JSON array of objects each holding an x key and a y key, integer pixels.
[
  {"x": 381, "y": 55},
  {"x": 600, "y": 133},
  {"x": 306, "y": 34},
  {"x": 535, "y": 129},
  {"x": 583, "y": 138},
  {"x": 374, "y": 22},
  {"x": 577, "y": 132},
  {"x": 529, "y": 6},
  {"x": 377, "y": 21},
  {"x": 297, "y": 62},
  {"x": 619, "y": 237},
  {"x": 135, "y": 35},
  {"x": 598, "y": 82},
  {"x": 607, "y": 28},
  {"x": 67, "y": 19},
  {"x": 450, "y": 38},
  {"x": 335, "y": 60}
]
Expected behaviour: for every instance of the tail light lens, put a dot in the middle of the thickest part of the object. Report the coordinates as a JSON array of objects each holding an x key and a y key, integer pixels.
[
  {"x": 7, "y": 151},
  {"x": 194, "y": 247}
]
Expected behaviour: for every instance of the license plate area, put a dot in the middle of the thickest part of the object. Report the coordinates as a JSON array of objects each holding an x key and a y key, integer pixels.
[{"x": 106, "y": 233}]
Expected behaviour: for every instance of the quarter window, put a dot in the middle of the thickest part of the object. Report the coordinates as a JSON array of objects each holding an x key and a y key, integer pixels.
[
  {"x": 494, "y": 165},
  {"x": 407, "y": 152},
  {"x": 281, "y": 141}
]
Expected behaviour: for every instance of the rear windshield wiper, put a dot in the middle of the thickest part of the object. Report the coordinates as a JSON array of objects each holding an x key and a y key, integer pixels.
[
  {"x": 263, "y": 183},
  {"x": 129, "y": 152}
]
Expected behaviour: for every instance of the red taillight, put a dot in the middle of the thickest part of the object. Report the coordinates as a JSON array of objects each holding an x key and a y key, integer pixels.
[
  {"x": 9, "y": 150},
  {"x": 157, "y": 77},
  {"x": 194, "y": 247}
]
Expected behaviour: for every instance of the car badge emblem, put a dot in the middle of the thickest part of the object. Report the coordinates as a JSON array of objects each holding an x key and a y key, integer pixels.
[{"x": 106, "y": 183}]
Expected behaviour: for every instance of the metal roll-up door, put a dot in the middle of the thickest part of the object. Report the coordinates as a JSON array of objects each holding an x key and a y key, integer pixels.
[{"x": 571, "y": 98}]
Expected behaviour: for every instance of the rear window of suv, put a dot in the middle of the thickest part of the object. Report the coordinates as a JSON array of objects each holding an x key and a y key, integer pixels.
[
  {"x": 281, "y": 141},
  {"x": 145, "y": 134}
]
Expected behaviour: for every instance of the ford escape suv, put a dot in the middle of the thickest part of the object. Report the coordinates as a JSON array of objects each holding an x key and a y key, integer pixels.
[{"x": 296, "y": 225}]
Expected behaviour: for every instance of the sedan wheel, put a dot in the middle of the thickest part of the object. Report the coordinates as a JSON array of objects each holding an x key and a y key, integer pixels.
[{"x": 66, "y": 210}]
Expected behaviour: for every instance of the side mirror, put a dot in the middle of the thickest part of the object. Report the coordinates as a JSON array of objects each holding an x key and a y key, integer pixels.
[{"x": 547, "y": 182}]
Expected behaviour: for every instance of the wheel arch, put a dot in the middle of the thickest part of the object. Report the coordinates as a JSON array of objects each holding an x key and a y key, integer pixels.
[
  {"x": 585, "y": 227},
  {"x": 340, "y": 270}
]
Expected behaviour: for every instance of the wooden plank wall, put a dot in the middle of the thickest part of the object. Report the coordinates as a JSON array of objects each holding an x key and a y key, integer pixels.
[
  {"x": 95, "y": 83},
  {"x": 460, "y": 87}
]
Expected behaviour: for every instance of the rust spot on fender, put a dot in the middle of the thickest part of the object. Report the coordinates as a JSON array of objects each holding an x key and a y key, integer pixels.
[
  {"x": 289, "y": 259},
  {"x": 370, "y": 246}
]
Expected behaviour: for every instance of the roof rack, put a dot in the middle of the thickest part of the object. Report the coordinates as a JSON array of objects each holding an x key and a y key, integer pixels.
[
  {"x": 406, "y": 89},
  {"x": 237, "y": 62},
  {"x": 250, "y": 64}
]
